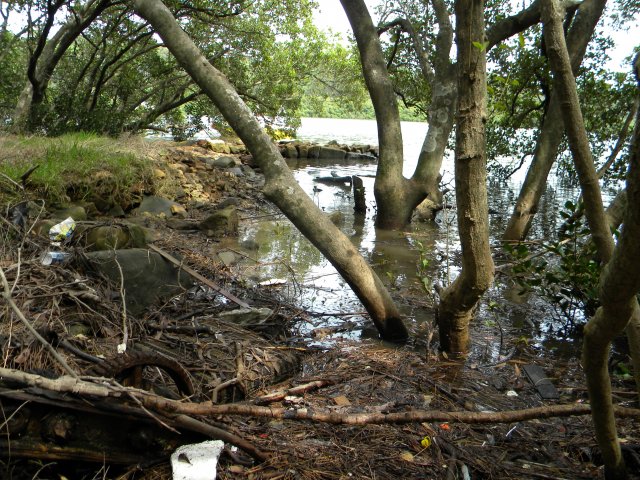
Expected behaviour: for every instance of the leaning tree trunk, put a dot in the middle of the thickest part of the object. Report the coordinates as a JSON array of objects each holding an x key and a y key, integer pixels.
[
  {"x": 280, "y": 186},
  {"x": 459, "y": 300},
  {"x": 620, "y": 280},
  {"x": 552, "y": 128}
]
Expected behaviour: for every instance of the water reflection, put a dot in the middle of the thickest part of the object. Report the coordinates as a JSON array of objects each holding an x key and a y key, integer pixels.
[{"x": 314, "y": 284}]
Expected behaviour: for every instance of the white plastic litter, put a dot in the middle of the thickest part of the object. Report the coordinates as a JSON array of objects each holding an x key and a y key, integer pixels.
[
  {"x": 197, "y": 461},
  {"x": 63, "y": 230}
]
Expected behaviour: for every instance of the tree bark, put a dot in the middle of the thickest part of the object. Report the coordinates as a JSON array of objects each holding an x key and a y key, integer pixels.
[
  {"x": 620, "y": 279},
  {"x": 552, "y": 128},
  {"x": 459, "y": 300},
  {"x": 444, "y": 95},
  {"x": 280, "y": 186},
  {"x": 397, "y": 196}
]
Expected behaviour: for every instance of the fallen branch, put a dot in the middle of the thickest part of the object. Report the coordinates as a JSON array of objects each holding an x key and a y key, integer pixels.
[
  {"x": 201, "y": 278},
  {"x": 219, "y": 434},
  {"x": 297, "y": 390},
  {"x": 167, "y": 406}
]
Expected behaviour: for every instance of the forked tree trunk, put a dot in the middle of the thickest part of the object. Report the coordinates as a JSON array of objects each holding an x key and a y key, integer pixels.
[
  {"x": 552, "y": 128},
  {"x": 620, "y": 279},
  {"x": 396, "y": 196},
  {"x": 459, "y": 300},
  {"x": 280, "y": 186}
]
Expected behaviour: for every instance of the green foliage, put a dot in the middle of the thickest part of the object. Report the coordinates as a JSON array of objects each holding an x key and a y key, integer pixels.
[
  {"x": 564, "y": 271},
  {"x": 74, "y": 166},
  {"x": 118, "y": 77},
  {"x": 519, "y": 88},
  {"x": 12, "y": 60},
  {"x": 422, "y": 268}
]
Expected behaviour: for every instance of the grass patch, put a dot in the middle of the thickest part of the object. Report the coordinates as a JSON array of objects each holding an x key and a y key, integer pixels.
[{"x": 76, "y": 167}]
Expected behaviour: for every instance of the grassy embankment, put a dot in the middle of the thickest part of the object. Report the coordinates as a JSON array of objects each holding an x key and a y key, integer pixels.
[{"x": 74, "y": 167}]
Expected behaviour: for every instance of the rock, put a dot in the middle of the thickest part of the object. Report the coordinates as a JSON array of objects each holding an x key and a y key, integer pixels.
[
  {"x": 289, "y": 151},
  {"x": 227, "y": 257},
  {"x": 181, "y": 224},
  {"x": 229, "y": 202},
  {"x": 138, "y": 236},
  {"x": 159, "y": 174},
  {"x": 360, "y": 156},
  {"x": 110, "y": 237},
  {"x": 178, "y": 167},
  {"x": 76, "y": 212},
  {"x": 106, "y": 238},
  {"x": 148, "y": 278},
  {"x": 103, "y": 204},
  {"x": 247, "y": 316},
  {"x": 80, "y": 329},
  {"x": 237, "y": 149},
  {"x": 221, "y": 222},
  {"x": 116, "y": 211},
  {"x": 220, "y": 147},
  {"x": 332, "y": 153},
  {"x": 224, "y": 162},
  {"x": 426, "y": 211},
  {"x": 248, "y": 171},
  {"x": 248, "y": 160},
  {"x": 89, "y": 208},
  {"x": 314, "y": 152},
  {"x": 237, "y": 171},
  {"x": 206, "y": 144},
  {"x": 179, "y": 211},
  {"x": 156, "y": 206},
  {"x": 303, "y": 150}
]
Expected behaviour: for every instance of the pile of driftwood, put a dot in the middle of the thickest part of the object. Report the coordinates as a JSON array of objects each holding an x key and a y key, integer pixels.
[{"x": 59, "y": 325}]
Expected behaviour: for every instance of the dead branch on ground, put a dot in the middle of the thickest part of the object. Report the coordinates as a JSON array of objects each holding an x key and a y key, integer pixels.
[{"x": 166, "y": 406}]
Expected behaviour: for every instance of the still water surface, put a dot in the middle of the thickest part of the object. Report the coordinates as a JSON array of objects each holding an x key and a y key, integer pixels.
[{"x": 395, "y": 255}]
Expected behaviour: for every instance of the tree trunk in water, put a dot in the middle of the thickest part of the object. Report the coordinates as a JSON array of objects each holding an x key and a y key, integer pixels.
[
  {"x": 442, "y": 109},
  {"x": 394, "y": 195},
  {"x": 620, "y": 279},
  {"x": 552, "y": 128},
  {"x": 459, "y": 300},
  {"x": 397, "y": 196},
  {"x": 280, "y": 186}
]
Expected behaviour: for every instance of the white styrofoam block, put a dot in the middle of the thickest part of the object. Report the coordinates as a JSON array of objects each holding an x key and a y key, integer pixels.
[{"x": 197, "y": 461}]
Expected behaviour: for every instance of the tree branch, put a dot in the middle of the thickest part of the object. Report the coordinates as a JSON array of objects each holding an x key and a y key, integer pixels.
[{"x": 163, "y": 405}]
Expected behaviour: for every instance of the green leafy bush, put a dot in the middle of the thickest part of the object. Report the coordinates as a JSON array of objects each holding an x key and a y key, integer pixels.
[{"x": 565, "y": 271}]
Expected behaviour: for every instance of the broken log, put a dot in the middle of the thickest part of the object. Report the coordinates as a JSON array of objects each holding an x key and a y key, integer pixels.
[{"x": 199, "y": 277}]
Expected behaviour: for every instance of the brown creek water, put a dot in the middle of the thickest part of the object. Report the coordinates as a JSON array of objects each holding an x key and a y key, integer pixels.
[{"x": 425, "y": 251}]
